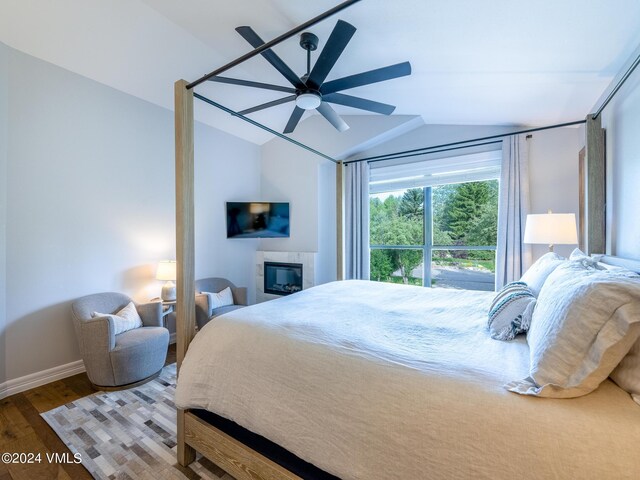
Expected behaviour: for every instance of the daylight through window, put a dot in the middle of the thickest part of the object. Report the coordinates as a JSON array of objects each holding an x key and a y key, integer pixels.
[{"x": 441, "y": 234}]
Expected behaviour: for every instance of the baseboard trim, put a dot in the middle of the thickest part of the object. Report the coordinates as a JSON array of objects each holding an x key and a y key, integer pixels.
[{"x": 17, "y": 385}]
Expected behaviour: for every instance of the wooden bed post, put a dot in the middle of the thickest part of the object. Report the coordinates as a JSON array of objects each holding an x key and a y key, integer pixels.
[
  {"x": 595, "y": 187},
  {"x": 185, "y": 257},
  {"x": 340, "y": 220}
]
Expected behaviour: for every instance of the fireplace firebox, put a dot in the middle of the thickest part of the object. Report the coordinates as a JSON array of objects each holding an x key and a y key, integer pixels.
[{"x": 282, "y": 278}]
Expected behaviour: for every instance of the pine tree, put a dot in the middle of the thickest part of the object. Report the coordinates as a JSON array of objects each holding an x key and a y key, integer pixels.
[
  {"x": 466, "y": 205},
  {"x": 412, "y": 204}
]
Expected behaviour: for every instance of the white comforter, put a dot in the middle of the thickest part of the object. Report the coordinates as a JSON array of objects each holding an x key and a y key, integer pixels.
[{"x": 378, "y": 381}]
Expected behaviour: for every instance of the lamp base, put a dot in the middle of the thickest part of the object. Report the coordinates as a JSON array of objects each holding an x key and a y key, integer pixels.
[{"x": 168, "y": 292}]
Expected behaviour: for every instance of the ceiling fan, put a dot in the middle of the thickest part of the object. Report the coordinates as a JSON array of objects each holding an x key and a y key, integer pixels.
[{"x": 310, "y": 91}]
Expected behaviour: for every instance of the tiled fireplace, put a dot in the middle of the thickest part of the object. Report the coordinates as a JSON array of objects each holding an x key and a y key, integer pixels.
[{"x": 283, "y": 273}]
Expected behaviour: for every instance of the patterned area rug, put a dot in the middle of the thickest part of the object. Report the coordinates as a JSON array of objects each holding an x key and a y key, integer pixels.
[{"x": 129, "y": 434}]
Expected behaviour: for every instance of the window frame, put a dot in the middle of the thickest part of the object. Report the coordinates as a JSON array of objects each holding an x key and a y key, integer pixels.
[{"x": 428, "y": 247}]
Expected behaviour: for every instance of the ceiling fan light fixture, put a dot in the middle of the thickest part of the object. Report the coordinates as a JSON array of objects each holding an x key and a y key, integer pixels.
[{"x": 308, "y": 100}]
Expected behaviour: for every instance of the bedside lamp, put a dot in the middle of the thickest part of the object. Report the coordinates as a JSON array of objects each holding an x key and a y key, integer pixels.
[
  {"x": 551, "y": 229},
  {"x": 167, "y": 271}
]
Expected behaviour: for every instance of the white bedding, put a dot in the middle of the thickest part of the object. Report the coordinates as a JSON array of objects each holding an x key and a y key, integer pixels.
[{"x": 378, "y": 381}]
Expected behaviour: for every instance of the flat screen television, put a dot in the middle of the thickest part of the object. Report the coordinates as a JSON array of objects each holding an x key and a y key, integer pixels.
[{"x": 257, "y": 220}]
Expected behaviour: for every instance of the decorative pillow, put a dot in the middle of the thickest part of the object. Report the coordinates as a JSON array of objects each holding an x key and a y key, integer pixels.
[
  {"x": 511, "y": 311},
  {"x": 540, "y": 270},
  {"x": 220, "y": 299},
  {"x": 584, "y": 323},
  {"x": 124, "y": 320}
]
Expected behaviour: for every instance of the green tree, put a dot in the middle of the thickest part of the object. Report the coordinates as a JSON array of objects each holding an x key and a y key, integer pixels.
[
  {"x": 411, "y": 204},
  {"x": 466, "y": 205},
  {"x": 403, "y": 231},
  {"x": 442, "y": 196},
  {"x": 381, "y": 265},
  {"x": 482, "y": 229},
  {"x": 396, "y": 221}
]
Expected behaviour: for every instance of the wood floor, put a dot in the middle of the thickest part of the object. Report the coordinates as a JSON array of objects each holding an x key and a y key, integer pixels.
[{"x": 22, "y": 430}]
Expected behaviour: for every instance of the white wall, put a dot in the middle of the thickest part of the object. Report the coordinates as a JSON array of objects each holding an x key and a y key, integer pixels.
[
  {"x": 226, "y": 169},
  {"x": 621, "y": 119},
  {"x": 431, "y": 135},
  {"x": 326, "y": 267},
  {"x": 4, "y": 125},
  {"x": 553, "y": 176},
  {"x": 90, "y": 203},
  {"x": 290, "y": 174}
]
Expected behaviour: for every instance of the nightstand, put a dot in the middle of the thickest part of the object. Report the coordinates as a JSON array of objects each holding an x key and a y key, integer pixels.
[{"x": 167, "y": 308}]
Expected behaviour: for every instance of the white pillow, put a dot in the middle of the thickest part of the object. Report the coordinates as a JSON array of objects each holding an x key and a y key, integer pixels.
[
  {"x": 540, "y": 270},
  {"x": 511, "y": 311},
  {"x": 584, "y": 323},
  {"x": 579, "y": 256},
  {"x": 220, "y": 299},
  {"x": 627, "y": 373},
  {"x": 124, "y": 320}
]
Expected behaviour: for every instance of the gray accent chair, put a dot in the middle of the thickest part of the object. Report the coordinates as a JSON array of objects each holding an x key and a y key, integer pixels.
[
  {"x": 131, "y": 357},
  {"x": 204, "y": 310}
]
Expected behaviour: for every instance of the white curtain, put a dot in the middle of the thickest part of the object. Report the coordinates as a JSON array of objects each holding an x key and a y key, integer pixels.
[
  {"x": 513, "y": 256},
  {"x": 356, "y": 205}
]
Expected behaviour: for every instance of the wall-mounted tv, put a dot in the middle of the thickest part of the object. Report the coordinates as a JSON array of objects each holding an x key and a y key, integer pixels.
[{"x": 257, "y": 220}]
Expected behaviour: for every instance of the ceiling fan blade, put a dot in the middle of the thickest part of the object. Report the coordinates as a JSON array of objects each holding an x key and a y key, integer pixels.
[
  {"x": 332, "y": 50},
  {"x": 366, "y": 78},
  {"x": 254, "y": 39},
  {"x": 247, "y": 83},
  {"x": 280, "y": 101},
  {"x": 334, "y": 119},
  {"x": 295, "y": 117},
  {"x": 361, "y": 103}
]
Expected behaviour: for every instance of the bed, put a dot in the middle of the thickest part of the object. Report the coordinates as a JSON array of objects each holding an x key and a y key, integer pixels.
[{"x": 381, "y": 381}]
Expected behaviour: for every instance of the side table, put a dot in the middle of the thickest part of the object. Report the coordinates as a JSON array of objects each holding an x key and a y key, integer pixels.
[{"x": 167, "y": 308}]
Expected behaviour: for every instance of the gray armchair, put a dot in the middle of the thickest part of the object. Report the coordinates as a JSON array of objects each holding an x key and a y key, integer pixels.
[
  {"x": 119, "y": 360},
  {"x": 204, "y": 311}
]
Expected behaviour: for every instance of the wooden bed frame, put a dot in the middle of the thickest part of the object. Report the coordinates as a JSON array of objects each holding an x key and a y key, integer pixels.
[{"x": 193, "y": 433}]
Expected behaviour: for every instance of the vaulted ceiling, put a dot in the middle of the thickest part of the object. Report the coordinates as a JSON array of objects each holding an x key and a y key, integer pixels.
[{"x": 490, "y": 62}]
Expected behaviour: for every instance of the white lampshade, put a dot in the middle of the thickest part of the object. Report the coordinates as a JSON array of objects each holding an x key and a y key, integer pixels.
[
  {"x": 551, "y": 229},
  {"x": 166, "y": 270}
]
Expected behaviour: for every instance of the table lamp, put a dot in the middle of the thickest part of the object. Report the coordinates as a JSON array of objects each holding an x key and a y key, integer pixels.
[
  {"x": 167, "y": 271},
  {"x": 551, "y": 229}
]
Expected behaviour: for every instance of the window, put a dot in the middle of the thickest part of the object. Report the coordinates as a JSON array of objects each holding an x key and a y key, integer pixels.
[{"x": 440, "y": 230}]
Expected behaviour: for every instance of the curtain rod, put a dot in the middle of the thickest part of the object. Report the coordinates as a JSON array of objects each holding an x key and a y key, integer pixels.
[
  {"x": 623, "y": 79},
  {"x": 425, "y": 150},
  {"x": 427, "y": 153},
  {"x": 273, "y": 42},
  {"x": 263, "y": 127}
]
